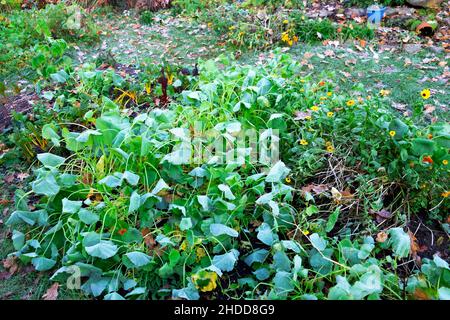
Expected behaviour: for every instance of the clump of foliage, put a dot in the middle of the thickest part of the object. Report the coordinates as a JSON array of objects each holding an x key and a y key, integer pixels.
[
  {"x": 249, "y": 29},
  {"x": 41, "y": 35},
  {"x": 120, "y": 201}
]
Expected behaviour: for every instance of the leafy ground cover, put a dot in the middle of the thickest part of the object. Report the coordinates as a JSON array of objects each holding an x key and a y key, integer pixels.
[{"x": 355, "y": 208}]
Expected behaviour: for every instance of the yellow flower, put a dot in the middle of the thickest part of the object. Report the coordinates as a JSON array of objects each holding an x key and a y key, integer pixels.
[
  {"x": 385, "y": 93},
  {"x": 329, "y": 94},
  {"x": 315, "y": 108},
  {"x": 330, "y": 114},
  {"x": 183, "y": 246},
  {"x": 350, "y": 103},
  {"x": 392, "y": 133},
  {"x": 288, "y": 180},
  {"x": 231, "y": 28},
  {"x": 205, "y": 280},
  {"x": 303, "y": 142},
  {"x": 308, "y": 117},
  {"x": 285, "y": 21},
  {"x": 445, "y": 162},
  {"x": 209, "y": 24},
  {"x": 330, "y": 149},
  {"x": 425, "y": 94},
  {"x": 306, "y": 232},
  {"x": 295, "y": 38},
  {"x": 445, "y": 194},
  {"x": 285, "y": 37}
]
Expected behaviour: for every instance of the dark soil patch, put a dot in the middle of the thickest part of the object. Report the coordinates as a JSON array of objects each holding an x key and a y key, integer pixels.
[
  {"x": 21, "y": 103},
  {"x": 430, "y": 238}
]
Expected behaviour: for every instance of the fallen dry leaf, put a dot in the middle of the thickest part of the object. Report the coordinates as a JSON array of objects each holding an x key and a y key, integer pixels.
[
  {"x": 381, "y": 237},
  {"x": 11, "y": 265},
  {"x": 52, "y": 292}
]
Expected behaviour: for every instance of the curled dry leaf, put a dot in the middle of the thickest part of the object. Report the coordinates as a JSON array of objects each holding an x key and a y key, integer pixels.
[
  {"x": 381, "y": 237},
  {"x": 11, "y": 265},
  {"x": 52, "y": 292}
]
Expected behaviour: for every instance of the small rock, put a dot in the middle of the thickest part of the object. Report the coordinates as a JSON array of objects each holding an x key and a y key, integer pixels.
[{"x": 412, "y": 48}]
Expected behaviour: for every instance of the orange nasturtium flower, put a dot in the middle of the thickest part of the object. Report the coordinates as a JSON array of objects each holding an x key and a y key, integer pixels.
[
  {"x": 122, "y": 231},
  {"x": 427, "y": 159}
]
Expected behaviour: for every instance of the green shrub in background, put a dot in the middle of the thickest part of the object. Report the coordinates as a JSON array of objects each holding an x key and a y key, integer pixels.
[{"x": 24, "y": 34}]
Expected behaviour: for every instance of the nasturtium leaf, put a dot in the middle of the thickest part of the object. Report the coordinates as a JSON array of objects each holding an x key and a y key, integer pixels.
[
  {"x": 291, "y": 245},
  {"x": 49, "y": 134},
  {"x": 181, "y": 154},
  {"x": 174, "y": 257},
  {"x": 69, "y": 206},
  {"x": 135, "y": 202},
  {"x": 163, "y": 240},
  {"x": 227, "y": 191},
  {"x": 131, "y": 178},
  {"x": 421, "y": 146},
  {"x": 265, "y": 234},
  {"x": 84, "y": 136},
  {"x": 46, "y": 186},
  {"x": 137, "y": 291},
  {"x": 112, "y": 181},
  {"x": 204, "y": 202},
  {"x": 318, "y": 242},
  {"x": 87, "y": 216},
  {"x": 55, "y": 228},
  {"x": 283, "y": 283},
  {"x": 104, "y": 249},
  {"x": 218, "y": 229},
  {"x": 132, "y": 235},
  {"x": 138, "y": 259},
  {"x": 50, "y": 160},
  {"x": 42, "y": 263},
  {"x": 399, "y": 127},
  {"x": 444, "y": 293},
  {"x": 281, "y": 261},
  {"x": 400, "y": 242},
  {"x": 198, "y": 172},
  {"x": 226, "y": 261},
  {"x": 188, "y": 293},
  {"x": 311, "y": 210},
  {"x": 18, "y": 239},
  {"x": 265, "y": 198},
  {"x": 256, "y": 256},
  {"x": 160, "y": 185},
  {"x": 185, "y": 224},
  {"x": 113, "y": 296},
  {"x": 182, "y": 209},
  {"x": 262, "y": 274},
  {"x": 277, "y": 172}
]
